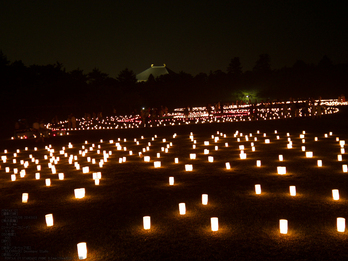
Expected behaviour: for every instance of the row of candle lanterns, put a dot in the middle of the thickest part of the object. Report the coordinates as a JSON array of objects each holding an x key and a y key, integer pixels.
[{"x": 214, "y": 222}]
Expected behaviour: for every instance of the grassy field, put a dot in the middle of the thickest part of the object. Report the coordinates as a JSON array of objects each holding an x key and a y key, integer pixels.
[{"x": 109, "y": 218}]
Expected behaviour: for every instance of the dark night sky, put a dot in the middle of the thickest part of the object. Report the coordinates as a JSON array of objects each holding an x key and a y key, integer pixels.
[{"x": 193, "y": 36}]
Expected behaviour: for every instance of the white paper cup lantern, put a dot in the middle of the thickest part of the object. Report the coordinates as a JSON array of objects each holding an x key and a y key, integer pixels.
[
  {"x": 79, "y": 192},
  {"x": 13, "y": 177},
  {"x": 204, "y": 199},
  {"x": 171, "y": 181},
  {"x": 49, "y": 220},
  {"x": 345, "y": 168},
  {"x": 214, "y": 223},
  {"x": 147, "y": 158},
  {"x": 210, "y": 159},
  {"x": 228, "y": 165},
  {"x": 206, "y": 151},
  {"x": 280, "y": 157},
  {"x": 25, "y": 197},
  {"x": 242, "y": 155},
  {"x": 147, "y": 222},
  {"x": 309, "y": 154},
  {"x": 339, "y": 157},
  {"x": 176, "y": 160},
  {"x": 292, "y": 190},
  {"x": 283, "y": 226},
  {"x": 82, "y": 250},
  {"x": 192, "y": 155},
  {"x": 335, "y": 194},
  {"x": 182, "y": 208},
  {"x": 258, "y": 163},
  {"x": 61, "y": 176},
  {"x": 188, "y": 167},
  {"x": 281, "y": 170},
  {"x": 97, "y": 182},
  {"x": 157, "y": 164},
  {"x": 258, "y": 189},
  {"x": 341, "y": 224},
  {"x": 303, "y": 148},
  {"x": 319, "y": 163},
  {"x": 48, "y": 182}
]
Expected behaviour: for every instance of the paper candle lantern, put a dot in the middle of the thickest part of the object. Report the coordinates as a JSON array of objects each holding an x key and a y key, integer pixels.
[
  {"x": 258, "y": 189},
  {"x": 147, "y": 158},
  {"x": 82, "y": 250},
  {"x": 79, "y": 192},
  {"x": 258, "y": 163},
  {"x": 309, "y": 154},
  {"x": 341, "y": 224},
  {"x": 48, "y": 182},
  {"x": 192, "y": 155},
  {"x": 206, "y": 143},
  {"x": 158, "y": 155},
  {"x": 339, "y": 157},
  {"x": 335, "y": 194},
  {"x": 214, "y": 222},
  {"x": 97, "y": 182},
  {"x": 292, "y": 190},
  {"x": 242, "y": 155},
  {"x": 61, "y": 176},
  {"x": 281, "y": 170},
  {"x": 345, "y": 168},
  {"x": 49, "y": 220},
  {"x": 37, "y": 175},
  {"x": 319, "y": 163},
  {"x": 267, "y": 141},
  {"x": 283, "y": 226},
  {"x": 176, "y": 160},
  {"x": 206, "y": 151},
  {"x": 188, "y": 167},
  {"x": 210, "y": 159},
  {"x": 280, "y": 157},
  {"x": 171, "y": 181},
  {"x": 147, "y": 222},
  {"x": 85, "y": 169},
  {"x": 38, "y": 167},
  {"x": 204, "y": 199},
  {"x": 25, "y": 197},
  {"x": 303, "y": 148},
  {"x": 182, "y": 208},
  {"x": 13, "y": 177},
  {"x": 157, "y": 164},
  {"x": 289, "y": 146},
  {"x": 228, "y": 165}
]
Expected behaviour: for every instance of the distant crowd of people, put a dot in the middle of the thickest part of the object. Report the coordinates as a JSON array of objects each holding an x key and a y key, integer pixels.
[
  {"x": 150, "y": 115},
  {"x": 37, "y": 130}
]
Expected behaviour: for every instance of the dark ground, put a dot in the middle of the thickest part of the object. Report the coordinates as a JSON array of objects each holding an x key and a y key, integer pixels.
[{"x": 109, "y": 218}]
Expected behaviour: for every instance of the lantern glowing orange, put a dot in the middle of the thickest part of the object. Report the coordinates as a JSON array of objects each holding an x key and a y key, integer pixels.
[
  {"x": 214, "y": 222},
  {"x": 283, "y": 226},
  {"x": 147, "y": 222}
]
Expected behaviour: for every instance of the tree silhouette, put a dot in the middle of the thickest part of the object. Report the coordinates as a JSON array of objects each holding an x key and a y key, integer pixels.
[
  {"x": 263, "y": 64},
  {"x": 127, "y": 78},
  {"x": 234, "y": 67}
]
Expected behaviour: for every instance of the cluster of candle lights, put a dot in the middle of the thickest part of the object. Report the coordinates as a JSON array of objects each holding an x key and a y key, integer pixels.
[{"x": 83, "y": 162}]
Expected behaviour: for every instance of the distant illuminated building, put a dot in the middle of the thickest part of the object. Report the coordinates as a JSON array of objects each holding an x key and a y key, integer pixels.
[{"x": 156, "y": 71}]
